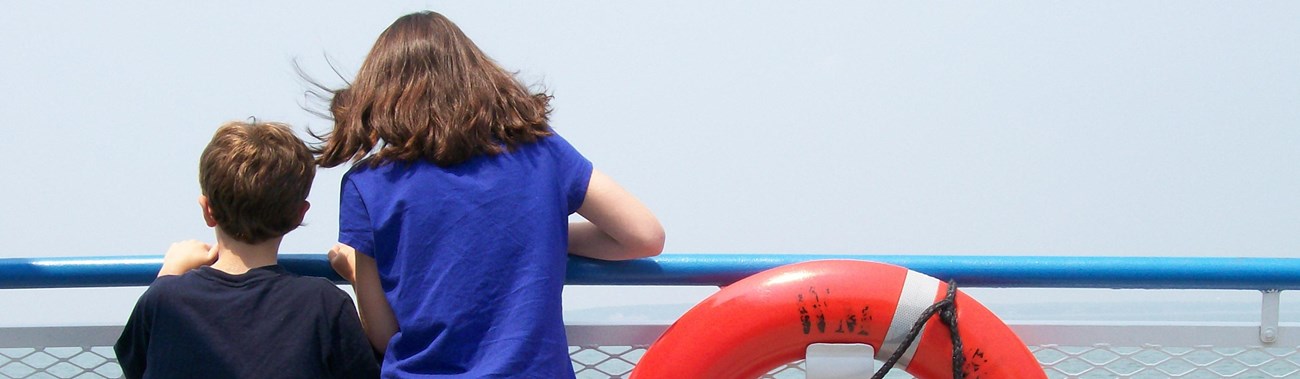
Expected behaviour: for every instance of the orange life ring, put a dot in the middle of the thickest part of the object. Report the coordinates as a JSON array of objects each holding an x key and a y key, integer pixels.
[{"x": 769, "y": 319}]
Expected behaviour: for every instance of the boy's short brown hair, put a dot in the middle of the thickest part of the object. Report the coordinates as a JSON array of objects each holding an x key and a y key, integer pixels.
[{"x": 256, "y": 176}]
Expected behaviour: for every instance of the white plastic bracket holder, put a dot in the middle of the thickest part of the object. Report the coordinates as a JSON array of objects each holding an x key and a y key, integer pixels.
[
  {"x": 839, "y": 361},
  {"x": 1268, "y": 315}
]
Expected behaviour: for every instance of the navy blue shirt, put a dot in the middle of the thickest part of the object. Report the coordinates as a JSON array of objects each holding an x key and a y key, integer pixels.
[
  {"x": 471, "y": 258},
  {"x": 266, "y": 323}
]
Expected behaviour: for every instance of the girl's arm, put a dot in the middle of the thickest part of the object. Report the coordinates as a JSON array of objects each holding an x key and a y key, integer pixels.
[
  {"x": 376, "y": 315},
  {"x": 618, "y": 226}
]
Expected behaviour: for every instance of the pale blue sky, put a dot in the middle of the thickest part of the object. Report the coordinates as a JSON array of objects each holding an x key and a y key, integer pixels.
[{"x": 1013, "y": 127}]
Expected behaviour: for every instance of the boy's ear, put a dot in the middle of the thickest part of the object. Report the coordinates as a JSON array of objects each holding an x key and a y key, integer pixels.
[
  {"x": 207, "y": 212},
  {"x": 302, "y": 214}
]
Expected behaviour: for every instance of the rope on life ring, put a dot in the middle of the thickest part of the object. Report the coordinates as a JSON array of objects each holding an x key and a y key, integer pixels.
[{"x": 768, "y": 319}]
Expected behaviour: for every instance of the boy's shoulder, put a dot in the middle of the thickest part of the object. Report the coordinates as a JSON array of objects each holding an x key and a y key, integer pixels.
[
  {"x": 316, "y": 285},
  {"x": 299, "y": 286},
  {"x": 204, "y": 281},
  {"x": 164, "y": 287}
]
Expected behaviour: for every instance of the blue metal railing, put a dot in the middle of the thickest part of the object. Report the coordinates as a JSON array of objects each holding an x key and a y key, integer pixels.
[{"x": 723, "y": 269}]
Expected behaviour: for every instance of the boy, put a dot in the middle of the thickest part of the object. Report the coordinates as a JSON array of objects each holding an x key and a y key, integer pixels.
[{"x": 238, "y": 314}]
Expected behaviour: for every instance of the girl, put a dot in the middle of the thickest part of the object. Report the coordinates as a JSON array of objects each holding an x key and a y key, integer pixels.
[{"x": 458, "y": 203}]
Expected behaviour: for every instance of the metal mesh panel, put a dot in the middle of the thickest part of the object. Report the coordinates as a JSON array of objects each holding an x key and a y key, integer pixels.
[
  {"x": 604, "y": 362},
  {"x": 607, "y": 362},
  {"x": 78, "y": 362},
  {"x": 1154, "y": 361}
]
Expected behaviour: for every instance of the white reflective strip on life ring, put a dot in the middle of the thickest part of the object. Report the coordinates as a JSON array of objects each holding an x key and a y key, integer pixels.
[{"x": 918, "y": 294}]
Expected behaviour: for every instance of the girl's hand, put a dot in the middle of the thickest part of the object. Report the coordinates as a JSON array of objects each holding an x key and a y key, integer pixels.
[
  {"x": 187, "y": 255},
  {"x": 343, "y": 259}
]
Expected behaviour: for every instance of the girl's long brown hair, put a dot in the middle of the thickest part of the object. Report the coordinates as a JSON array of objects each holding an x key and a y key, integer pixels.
[{"x": 426, "y": 91}]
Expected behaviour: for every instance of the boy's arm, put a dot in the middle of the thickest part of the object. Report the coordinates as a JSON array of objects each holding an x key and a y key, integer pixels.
[
  {"x": 376, "y": 314},
  {"x": 187, "y": 255},
  {"x": 619, "y": 227},
  {"x": 351, "y": 356}
]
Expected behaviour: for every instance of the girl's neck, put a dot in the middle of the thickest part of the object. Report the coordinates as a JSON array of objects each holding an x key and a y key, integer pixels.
[{"x": 235, "y": 257}]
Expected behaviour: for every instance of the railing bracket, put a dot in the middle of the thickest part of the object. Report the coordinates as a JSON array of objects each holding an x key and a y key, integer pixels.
[
  {"x": 839, "y": 360},
  {"x": 1268, "y": 316}
]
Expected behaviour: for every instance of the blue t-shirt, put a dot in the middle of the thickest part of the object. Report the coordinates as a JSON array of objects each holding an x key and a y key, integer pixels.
[{"x": 471, "y": 258}]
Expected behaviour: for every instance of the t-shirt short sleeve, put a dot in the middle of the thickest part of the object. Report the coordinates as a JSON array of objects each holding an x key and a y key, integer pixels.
[
  {"x": 575, "y": 172},
  {"x": 355, "y": 229},
  {"x": 132, "y": 346}
]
